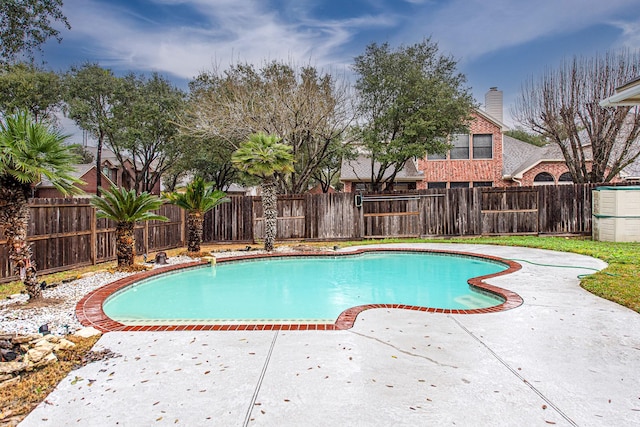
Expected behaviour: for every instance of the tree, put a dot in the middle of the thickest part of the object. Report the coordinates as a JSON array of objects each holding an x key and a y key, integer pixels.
[
  {"x": 198, "y": 198},
  {"x": 126, "y": 208},
  {"x": 29, "y": 150},
  {"x": 563, "y": 105},
  {"x": 143, "y": 127},
  {"x": 309, "y": 109},
  {"x": 327, "y": 173},
  {"x": 26, "y": 24},
  {"x": 265, "y": 157},
  {"x": 89, "y": 95},
  {"x": 520, "y": 133},
  {"x": 205, "y": 157},
  {"x": 27, "y": 87},
  {"x": 410, "y": 100}
]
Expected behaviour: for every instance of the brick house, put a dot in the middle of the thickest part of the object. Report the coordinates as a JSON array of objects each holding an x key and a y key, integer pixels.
[
  {"x": 483, "y": 158},
  {"x": 113, "y": 174}
]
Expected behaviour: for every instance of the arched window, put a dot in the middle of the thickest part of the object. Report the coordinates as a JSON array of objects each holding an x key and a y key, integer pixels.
[
  {"x": 565, "y": 178},
  {"x": 544, "y": 178}
]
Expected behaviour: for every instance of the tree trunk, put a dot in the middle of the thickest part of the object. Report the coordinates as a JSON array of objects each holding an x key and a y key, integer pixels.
[
  {"x": 269, "y": 206},
  {"x": 125, "y": 245},
  {"x": 14, "y": 217},
  {"x": 99, "y": 163},
  {"x": 194, "y": 227}
]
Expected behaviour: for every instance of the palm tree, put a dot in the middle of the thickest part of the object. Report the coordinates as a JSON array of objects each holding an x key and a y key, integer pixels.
[
  {"x": 28, "y": 152},
  {"x": 125, "y": 207},
  {"x": 198, "y": 199},
  {"x": 263, "y": 156}
]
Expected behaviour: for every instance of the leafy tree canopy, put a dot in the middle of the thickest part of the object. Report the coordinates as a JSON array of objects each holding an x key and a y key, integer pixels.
[
  {"x": 26, "y": 24},
  {"x": 520, "y": 133},
  {"x": 143, "y": 126},
  {"x": 410, "y": 100},
  {"x": 27, "y": 87}
]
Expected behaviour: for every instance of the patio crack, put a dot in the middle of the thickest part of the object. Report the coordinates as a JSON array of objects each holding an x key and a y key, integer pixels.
[
  {"x": 515, "y": 372},
  {"x": 408, "y": 353},
  {"x": 252, "y": 403}
]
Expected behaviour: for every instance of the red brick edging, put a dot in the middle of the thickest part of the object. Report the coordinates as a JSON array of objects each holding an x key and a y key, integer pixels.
[{"x": 89, "y": 309}]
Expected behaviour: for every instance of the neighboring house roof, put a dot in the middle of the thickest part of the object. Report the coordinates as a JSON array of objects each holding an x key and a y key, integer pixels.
[
  {"x": 80, "y": 170},
  {"x": 548, "y": 153},
  {"x": 627, "y": 94},
  {"x": 359, "y": 169},
  {"x": 514, "y": 152}
]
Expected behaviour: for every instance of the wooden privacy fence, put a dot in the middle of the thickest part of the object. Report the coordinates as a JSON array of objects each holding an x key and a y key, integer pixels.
[{"x": 64, "y": 233}]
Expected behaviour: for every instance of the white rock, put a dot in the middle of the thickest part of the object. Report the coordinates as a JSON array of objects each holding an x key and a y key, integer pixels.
[
  {"x": 44, "y": 344},
  {"x": 52, "y": 338},
  {"x": 87, "y": 332},
  {"x": 47, "y": 360},
  {"x": 37, "y": 354}
]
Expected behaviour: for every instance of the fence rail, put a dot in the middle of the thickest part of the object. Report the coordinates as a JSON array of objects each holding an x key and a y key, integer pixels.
[{"x": 65, "y": 233}]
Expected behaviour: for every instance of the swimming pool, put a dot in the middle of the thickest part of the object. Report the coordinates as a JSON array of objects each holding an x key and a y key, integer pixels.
[{"x": 306, "y": 289}]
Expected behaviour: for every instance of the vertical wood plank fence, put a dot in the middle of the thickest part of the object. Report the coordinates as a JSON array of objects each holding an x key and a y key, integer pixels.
[{"x": 64, "y": 233}]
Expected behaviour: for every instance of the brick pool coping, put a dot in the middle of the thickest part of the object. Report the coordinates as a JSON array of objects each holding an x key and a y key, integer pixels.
[{"x": 89, "y": 309}]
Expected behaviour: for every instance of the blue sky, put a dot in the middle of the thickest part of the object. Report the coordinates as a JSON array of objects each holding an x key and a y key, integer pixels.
[{"x": 496, "y": 42}]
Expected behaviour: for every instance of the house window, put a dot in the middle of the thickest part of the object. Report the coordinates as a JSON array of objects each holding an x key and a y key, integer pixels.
[
  {"x": 483, "y": 146},
  {"x": 565, "y": 178},
  {"x": 360, "y": 186},
  {"x": 544, "y": 178},
  {"x": 459, "y": 185},
  {"x": 483, "y": 184},
  {"x": 402, "y": 186},
  {"x": 460, "y": 148},
  {"x": 436, "y": 185}
]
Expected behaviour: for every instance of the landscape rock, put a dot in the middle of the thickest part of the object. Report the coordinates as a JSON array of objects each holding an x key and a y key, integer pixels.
[
  {"x": 37, "y": 354},
  {"x": 44, "y": 345},
  {"x": 64, "y": 345},
  {"x": 47, "y": 360},
  {"x": 12, "y": 367},
  {"x": 87, "y": 332},
  {"x": 22, "y": 339}
]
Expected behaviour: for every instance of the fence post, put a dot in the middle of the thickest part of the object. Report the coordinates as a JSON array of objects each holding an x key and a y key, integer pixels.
[
  {"x": 183, "y": 226},
  {"x": 94, "y": 237},
  {"x": 145, "y": 237}
]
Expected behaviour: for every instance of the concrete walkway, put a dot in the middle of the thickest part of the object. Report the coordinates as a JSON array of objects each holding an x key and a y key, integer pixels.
[{"x": 565, "y": 357}]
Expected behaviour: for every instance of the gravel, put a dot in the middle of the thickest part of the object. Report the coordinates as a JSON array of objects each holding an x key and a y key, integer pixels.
[{"x": 60, "y": 317}]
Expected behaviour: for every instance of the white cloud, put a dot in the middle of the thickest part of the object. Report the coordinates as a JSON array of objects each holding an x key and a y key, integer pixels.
[
  {"x": 630, "y": 37},
  {"x": 235, "y": 31},
  {"x": 471, "y": 28}
]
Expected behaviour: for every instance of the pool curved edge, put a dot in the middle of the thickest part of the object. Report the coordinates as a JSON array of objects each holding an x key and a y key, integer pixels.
[{"x": 89, "y": 309}]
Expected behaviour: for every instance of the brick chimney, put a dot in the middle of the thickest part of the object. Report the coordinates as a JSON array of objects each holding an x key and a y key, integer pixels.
[{"x": 493, "y": 103}]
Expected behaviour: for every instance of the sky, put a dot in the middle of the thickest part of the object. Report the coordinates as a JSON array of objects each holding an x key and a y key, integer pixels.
[{"x": 495, "y": 42}]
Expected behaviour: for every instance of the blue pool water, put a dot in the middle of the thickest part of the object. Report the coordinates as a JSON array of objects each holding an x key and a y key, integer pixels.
[{"x": 304, "y": 288}]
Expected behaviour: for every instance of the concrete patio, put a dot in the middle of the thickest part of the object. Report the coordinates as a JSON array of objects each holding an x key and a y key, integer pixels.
[{"x": 565, "y": 357}]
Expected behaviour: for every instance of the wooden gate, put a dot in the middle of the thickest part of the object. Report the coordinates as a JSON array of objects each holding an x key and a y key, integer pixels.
[{"x": 384, "y": 216}]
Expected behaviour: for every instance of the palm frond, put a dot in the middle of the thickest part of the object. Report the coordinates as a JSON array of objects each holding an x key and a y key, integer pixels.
[
  {"x": 121, "y": 205},
  {"x": 199, "y": 196}
]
